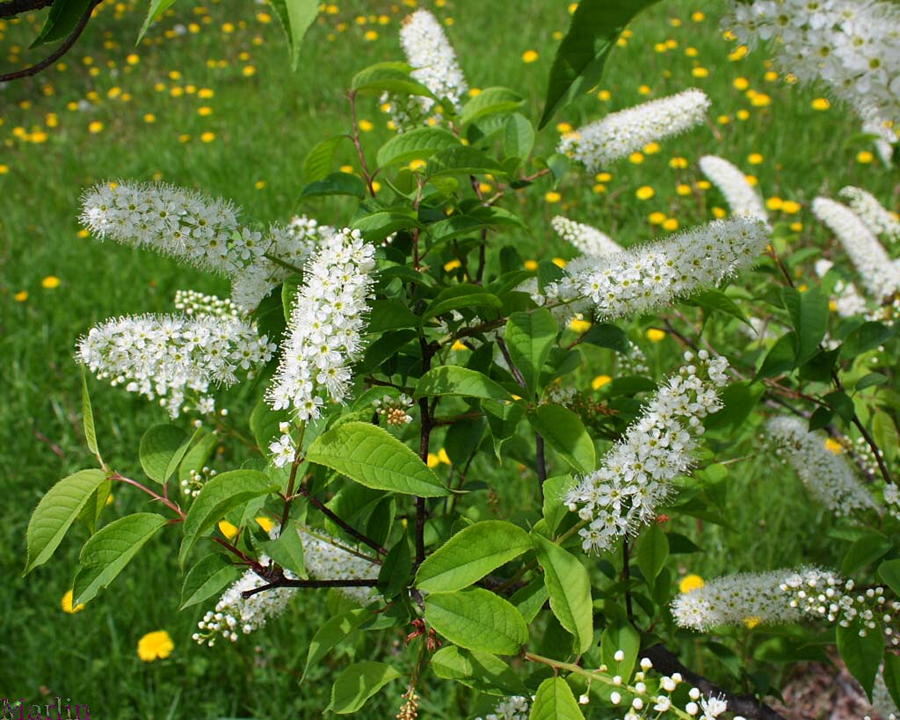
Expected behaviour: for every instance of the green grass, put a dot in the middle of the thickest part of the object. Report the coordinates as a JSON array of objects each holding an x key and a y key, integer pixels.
[{"x": 264, "y": 124}]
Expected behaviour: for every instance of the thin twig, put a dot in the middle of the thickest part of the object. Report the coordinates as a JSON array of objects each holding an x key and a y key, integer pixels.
[
  {"x": 17, "y": 7},
  {"x": 288, "y": 582},
  {"x": 345, "y": 526}
]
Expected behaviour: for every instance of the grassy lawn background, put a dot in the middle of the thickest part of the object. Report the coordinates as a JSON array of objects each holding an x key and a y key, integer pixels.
[{"x": 110, "y": 110}]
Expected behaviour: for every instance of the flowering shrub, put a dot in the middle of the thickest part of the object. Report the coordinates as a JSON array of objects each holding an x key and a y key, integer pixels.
[{"x": 387, "y": 369}]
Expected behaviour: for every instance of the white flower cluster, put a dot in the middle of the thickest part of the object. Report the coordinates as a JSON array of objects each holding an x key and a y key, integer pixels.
[
  {"x": 235, "y": 613},
  {"x": 875, "y": 217},
  {"x": 323, "y": 335},
  {"x": 191, "y": 302},
  {"x": 515, "y": 707},
  {"x": 849, "y": 44},
  {"x": 326, "y": 561},
  {"x": 633, "y": 362},
  {"x": 648, "y": 276},
  {"x": 434, "y": 64},
  {"x": 637, "y": 473},
  {"x": 588, "y": 240},
  {"x": 885, "y": 137},
  {"x": 621, "y": 133},
  {"x": 196, "y": 479},
  {"x": 394, "y": 410},
  {"x": 283, "y": 449},
  {"x": 199, "y": 230},
  {"x": 166, "y": 357},
  {"x": 740, "y": 195},
  {"x": 826, "y": 474},
  {"x": 786, "y": 596},
  {"x": 880, "y": 276}
]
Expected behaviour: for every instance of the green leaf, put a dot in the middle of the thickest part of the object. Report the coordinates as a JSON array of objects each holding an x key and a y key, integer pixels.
[
  {"x": 652, "y": 551},
  {"x": 781, "y": 358},
  {"x": 479, "y": 670},
  {"x": 569, "y": 586},
  {"x": 56, "y": 512},
  {"x": 477, "y": 619},
  {"x": 106, "y": 553},
  {"x": 199, "y": 453},
  {"x": 264, "y": 422},
  {"x": 287, "y": 550},
  {"x": 809, "y": 316},
  {"x": 218, "y": 496},
  {"x": 490, "y": 101},
  {"x": 378, "y": 225},
  {"x": 474, "y": 219},
  {"x": 339, "y": 183},
  {"x": 392, "y": 77},
  {"x": 842, "y": 404},
  {"x": 458, "y": 297},
  {"x": 390, "y": 315},
  {"x": 529, "y": 600},
  {"x": 87, "y": 416},
  {"x": 462, "y": 160},
  {"x": 518, "y": 137},
  {"x": 455, "y": 380},
  {"x": 866, "y": 550},
  {"x": 319, "y": 160},
  {"x": 555, "y": 490},
  {"x": 296, "y": 16},
  {"x": 716, "y": 300},
  {"x": 64, "y": 15},
  {"x": 867, "y": 336},
  {"x": 471, "y": 554},
  {"x": 206, "y": 579},
  {"x": 607, "y": 335},
  {"x": 578, "y": 65},
  {"x": 530, "y": 337},
  {"x": 393, "y": 577},
  {"x": 331, "y": 633},
  {"x": 159, "y": 446},
  {"x": 620, "y": 637},
  {"x": 565, "y": 433},
  {"x": 373, "y": 457},
  {"x": 861, "y": 654},
  {"x": 157, "y": 8},
  {"x": 891, "y": 676},
  {"x": 555, "y": 701},
  {"x": 889, "y": 573},
  {"x": 418, "y": 144},
  {"x": 358, "y": 683},
  {"x": 870, "y": 380}
]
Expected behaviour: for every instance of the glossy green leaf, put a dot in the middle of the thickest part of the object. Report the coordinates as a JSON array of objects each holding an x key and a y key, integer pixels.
[
  {"x": 56, "y": 512},
  {"x": 479, "y": 670},
  {"x": 564, "y": 432},
  {"x": 471, "y": 554},
  {"x": 87, "y": 416},
  {"x": 218, "y": 496},
  {"x": 477, "y": 619},
  {"x": 530, "y": 336},
  {"x": 357, "y": 683},
  {"x": 867, "y": 336},
  {"x": 578, "y": 65},
  {"x": 339, "y": 183},
  {"x": 717, "y": 301},
  {"x": 296, "y": 16},
  {"x": 160, "y": 445},
  {"x": 518, "y": 137},
  {"x": 782, "y": 357},
  {"x": 107, "y": 552},
  {"x": 555, "y": 490},
  {"x": 490, "y": 101},
  {"x": 867, "y": 549},
  {"x": 555, "y": 701},
  {"x": 889, "y": 574},
  {"x": 455, "y": 380},
  {"x": 459, "y": 297},
  {"x": 809, "y": 315},
  {"x": 418, "y": 144},
  {"x": 207, "y": 579},
  {"x": 320, "y": 159},
  {"x": 569, "y": 586},
  {"x": 622, "y": 637},
  {"x": 64, "y": 15},
  {"x": 373, "y": 457},
  {"x": 331, "y": 633},
  {"x": 287, "y": 550},
  {"x": 652, "y": 551},
  {"x": 862, "y": 655},
  {"x": 392, "y": 77},
  {"x": 464, "y": 160}
]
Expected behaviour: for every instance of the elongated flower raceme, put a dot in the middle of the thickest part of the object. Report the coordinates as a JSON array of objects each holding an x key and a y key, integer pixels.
[
  {"x": 621, "y": 133},
  {"x": 637, "y": 473},
  {"x": 199, "y": 230},
  {"x": 434, "y": 64},
  {"x": 880, "y": 276},
  {"x": 649, "y": 276},
  {"x": 827, "y": 475},
  {"x": 324, "y": 560},
  {"x": 176, "y": 358},
  {"x": 740, "y": 195},
  {"x": 851, "y": 45},
  {"x": 588, "y": 240},
  {"x": 327, "y": 319},
  {"x": 786, "y": 596},
  {"x": 871, "y": 212}
]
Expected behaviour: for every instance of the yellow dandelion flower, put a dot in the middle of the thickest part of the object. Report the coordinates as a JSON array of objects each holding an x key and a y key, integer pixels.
[
  {"x": 552, "y": 196},
  {"x": 474, "y": 92},
  {"x": 366, "y": 125},
  {"x": 531, "y": 265},
  {"x": 51, "y": 282},
  {"x": 376, "y": 186},
  {"x": 742, "y": 114},
  {"x": 205, "y": 93},
  {"x": 599, "y": 381},
  {"x": 774, "y": 203},
  {"x": 459, "y": 345},
  {"x": 644, "y": 89},
  {"x": 760, "y": 100},
  {"x": 645, "y": 192},
  {"x": 564, "y": 127},
  {"x": 452, "y": 265},
  {"x": 655, "y": 334},
  {"x": 670, "y": 225},
  {"x": 689, "y": 583},
  {"x": 790, "y": 207},
  {"x": 738, "y": 53},
  {"x": 651, "y": 148},
  {"x": 820, "y": 103},
  {"x": 248, "y": 71},
  {"x": 95, "y": 127},
  {"x": 207, "y": 137},
  {"x": 700, "y": 72},
  {"x": 656, "y": 218},
  {"x": 444, "y": 457},
  {"x": 755, "y": 159},
  {"x": 752, "y": 622},
  {"x": 559, "y": 262},
  {"x": 636, "y": 158},
  {"x": 263, "y": 17},
  {"x": 834, "y": 446},
  {"x": 580, "y": 326},
  {"x": 796, "y": 226},
  {"x": 678, "y": 163},
  {"x": 752, "y": 180},
  {"x": 599, "y": 188},
  {"x": 432, "y": 460},
  {"x": 864, "y": 157},
  {"x": 723, "y": 119},
  {"x": 266, "y": 523},
  {"x": 698, "y": 16},
  {"x": 416, "y": 164},
  {"x": 603, "y": 177},
  {"x": 740, "y": 83},
  {"x": 228, "y": 530},
  {"x": 4, "y": 169},
  {"x": 485, "y": 187},
  {"x": 204, "y": 111},
  {"x": 155, "y": 646},
  {"x": 529, "y": 56},
  {"x": 371, "y": 35},
  {"x": 228, "y": 27},
  {"x": 683, "y": 189},
  {"x": 149, "y": 118},
  {"x": 691, "y": 52},
  {"x": 21, "y": 296},
  {"x": 770, "y": 76},
  {"x": 66, "y": 604},
  {"x": 259, "y": 184},
  {"x": 604, "y": 95}
]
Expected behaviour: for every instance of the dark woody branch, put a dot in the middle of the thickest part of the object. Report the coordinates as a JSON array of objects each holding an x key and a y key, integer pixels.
[{"x": 287, "y": 582}]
